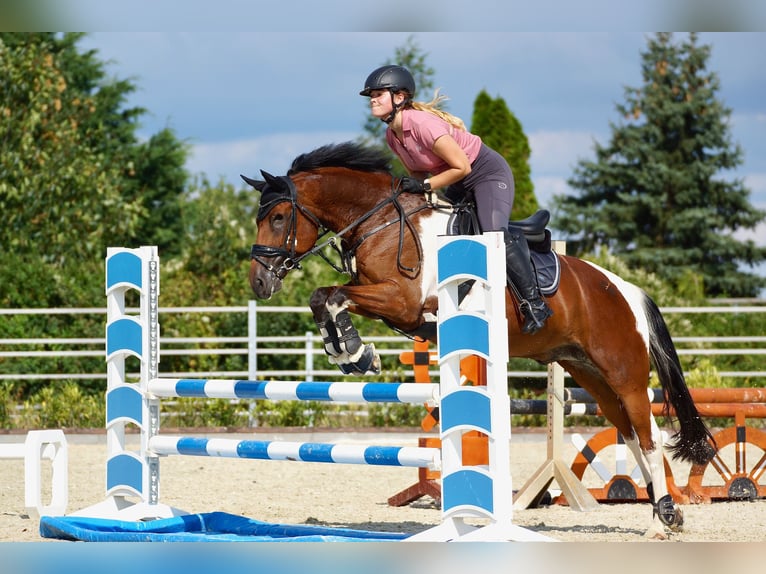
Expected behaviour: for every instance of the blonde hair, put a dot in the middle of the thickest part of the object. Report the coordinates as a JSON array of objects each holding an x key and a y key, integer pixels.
[{"x": 433, "y": 108}]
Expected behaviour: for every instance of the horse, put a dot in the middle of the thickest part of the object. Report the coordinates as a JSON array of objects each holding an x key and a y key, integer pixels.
[{"x": 605, "y": 331}]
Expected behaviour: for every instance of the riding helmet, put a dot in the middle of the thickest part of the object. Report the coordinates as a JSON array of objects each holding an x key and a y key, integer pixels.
[{"x": 392, "y": 77}]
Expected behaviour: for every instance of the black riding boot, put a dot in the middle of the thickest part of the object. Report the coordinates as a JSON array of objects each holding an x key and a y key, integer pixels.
[{"x": 522, "y": 279}]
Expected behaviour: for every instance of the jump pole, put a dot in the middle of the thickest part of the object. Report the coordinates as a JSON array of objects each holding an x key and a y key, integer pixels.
[{"x": 131, "y": 475}]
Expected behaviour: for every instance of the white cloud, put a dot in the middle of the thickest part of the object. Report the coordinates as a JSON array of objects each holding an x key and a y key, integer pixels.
[
  {"x": 558, "y": 152},
  {"x": 272, "y": 153},
  {"x": 547, "y": 186},
  {"x": 756, "y": 183}
]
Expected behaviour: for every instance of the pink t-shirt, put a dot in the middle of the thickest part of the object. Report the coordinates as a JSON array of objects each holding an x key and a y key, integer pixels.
[{"x": 420, "y": 130}]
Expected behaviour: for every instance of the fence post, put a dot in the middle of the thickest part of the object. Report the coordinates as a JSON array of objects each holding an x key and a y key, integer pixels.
[
  {"x": 252, "y": 339},
  {"x": 309, "y": 356}
]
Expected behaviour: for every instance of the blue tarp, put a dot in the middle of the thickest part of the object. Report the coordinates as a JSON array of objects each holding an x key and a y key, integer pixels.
[{"x": 211, "y": 527}]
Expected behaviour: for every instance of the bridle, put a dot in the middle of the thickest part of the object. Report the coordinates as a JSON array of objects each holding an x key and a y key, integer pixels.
[
  {"x": 286, "y": 258},
  {"x": 286, "y": 255}
]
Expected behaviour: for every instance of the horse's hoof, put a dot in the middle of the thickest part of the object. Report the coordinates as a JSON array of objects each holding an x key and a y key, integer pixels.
[
  {"x": 655, "y": 534},
  {"x": 670, "y": 514},
  {"x": 348, "y": 369},
  {"x": 367, "y": 363}
]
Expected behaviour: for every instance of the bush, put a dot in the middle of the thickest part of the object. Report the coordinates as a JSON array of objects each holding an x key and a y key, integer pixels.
[
  {"x": 66, "y": 406},
  {"x": 190, "y": 413}
]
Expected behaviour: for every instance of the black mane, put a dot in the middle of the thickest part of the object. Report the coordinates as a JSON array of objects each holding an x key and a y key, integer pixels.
[{"x": 348, "y": 154}]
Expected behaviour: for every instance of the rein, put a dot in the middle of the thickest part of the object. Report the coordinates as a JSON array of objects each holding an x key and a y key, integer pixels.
[{"x": 292, "y": 261}]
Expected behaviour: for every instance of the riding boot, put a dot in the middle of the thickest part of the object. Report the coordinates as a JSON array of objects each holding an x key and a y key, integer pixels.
[{"x": 522, "y": 280}]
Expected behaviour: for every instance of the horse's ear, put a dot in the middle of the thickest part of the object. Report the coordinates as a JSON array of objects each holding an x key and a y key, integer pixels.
[
  {"x": 273, "y": 180},
  {"x": 257, "y": 184}
]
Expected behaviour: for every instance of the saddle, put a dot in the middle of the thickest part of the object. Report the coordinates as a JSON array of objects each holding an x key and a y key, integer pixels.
[{"x": 464, "y": 221}]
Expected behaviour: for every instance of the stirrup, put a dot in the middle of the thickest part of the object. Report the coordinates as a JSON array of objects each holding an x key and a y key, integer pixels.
[{"x": 535, "y": 314}]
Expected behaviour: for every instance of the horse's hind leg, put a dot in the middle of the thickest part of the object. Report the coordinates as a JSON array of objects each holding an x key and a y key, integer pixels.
[
  {"x": 644, "y": 440},
  {"x": 631, "y": 414},
  {"x": 652, "y": 465},
  {"x": 341, "y": 340},
  {"x": 648, "y": 443}
]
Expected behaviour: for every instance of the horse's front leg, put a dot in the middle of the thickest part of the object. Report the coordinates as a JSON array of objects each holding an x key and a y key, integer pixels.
[
  {"x": 341, "y": 340},
  {"x": 666, "y": 513}
]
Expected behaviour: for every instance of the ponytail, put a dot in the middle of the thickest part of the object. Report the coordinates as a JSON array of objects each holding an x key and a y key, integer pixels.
[{"x": 433, "y": 108}]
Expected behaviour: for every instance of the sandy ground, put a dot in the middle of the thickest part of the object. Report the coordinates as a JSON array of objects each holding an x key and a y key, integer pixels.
[{"x": 356, "y": 496}]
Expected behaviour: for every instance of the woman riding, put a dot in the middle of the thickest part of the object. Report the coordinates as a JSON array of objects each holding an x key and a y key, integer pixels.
[{"x": 438, "y": 151}]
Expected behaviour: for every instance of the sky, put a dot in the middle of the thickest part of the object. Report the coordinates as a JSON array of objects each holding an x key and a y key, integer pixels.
[
  {"x": 251, "y": 101},
  {"x": 250, "y": 84}
]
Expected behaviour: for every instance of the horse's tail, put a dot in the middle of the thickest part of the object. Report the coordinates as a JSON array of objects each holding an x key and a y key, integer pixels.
[{"x": 693, "y": 442}]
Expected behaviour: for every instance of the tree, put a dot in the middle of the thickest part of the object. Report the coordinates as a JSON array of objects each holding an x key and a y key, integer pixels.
[
  {"x": 218, "y": 221},
  {"x": 74, "y": 177},
  {"x": 499, "y": 128},
  {"x": 155, "y": 175},
  {"x": 58, "y": 193},
  {"x": 655, "y": 194}
]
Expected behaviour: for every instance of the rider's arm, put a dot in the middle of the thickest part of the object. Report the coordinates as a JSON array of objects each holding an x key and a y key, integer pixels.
[{"x": 452, "y": 154}]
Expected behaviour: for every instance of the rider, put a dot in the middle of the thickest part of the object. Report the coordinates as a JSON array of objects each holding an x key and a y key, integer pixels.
[{"x": 438, "y": 151}]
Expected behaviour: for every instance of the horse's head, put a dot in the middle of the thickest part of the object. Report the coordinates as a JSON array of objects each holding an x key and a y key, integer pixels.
[
  {"x": 344, "y": 189},
  {"x": 285, "y": 232}
]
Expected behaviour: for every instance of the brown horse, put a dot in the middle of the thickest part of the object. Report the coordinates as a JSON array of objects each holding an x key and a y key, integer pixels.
[{"x": 604, "y": 331}]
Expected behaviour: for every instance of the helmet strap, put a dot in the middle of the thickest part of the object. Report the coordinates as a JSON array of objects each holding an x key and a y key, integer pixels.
[{"x": 395, "y": 108}]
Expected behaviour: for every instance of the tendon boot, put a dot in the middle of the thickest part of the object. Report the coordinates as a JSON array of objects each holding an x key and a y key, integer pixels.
[{"x": 522, "y": 281}]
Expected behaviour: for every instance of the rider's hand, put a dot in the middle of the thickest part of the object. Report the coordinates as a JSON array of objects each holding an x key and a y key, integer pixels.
[{"x": 411, "y": 185}]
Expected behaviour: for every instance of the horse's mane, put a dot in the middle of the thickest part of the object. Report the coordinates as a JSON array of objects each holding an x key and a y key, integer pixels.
[{"x": 349, "y": 154}]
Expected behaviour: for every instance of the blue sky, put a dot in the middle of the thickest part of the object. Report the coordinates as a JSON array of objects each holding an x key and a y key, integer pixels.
[{"x": 250, "y": 101}]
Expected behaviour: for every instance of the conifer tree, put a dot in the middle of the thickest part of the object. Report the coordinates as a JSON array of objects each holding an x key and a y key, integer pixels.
[{"x": 657, "y": 194}]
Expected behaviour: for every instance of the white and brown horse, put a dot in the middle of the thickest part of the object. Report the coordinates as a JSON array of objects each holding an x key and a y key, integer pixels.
[{"x": 604, "y": 331}]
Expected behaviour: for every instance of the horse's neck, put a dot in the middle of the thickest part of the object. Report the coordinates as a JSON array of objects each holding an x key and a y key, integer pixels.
[{"x": 354, "y": 201}]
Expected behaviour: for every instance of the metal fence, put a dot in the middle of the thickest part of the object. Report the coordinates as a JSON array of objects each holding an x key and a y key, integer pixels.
[{"x": 308, "y": 345}]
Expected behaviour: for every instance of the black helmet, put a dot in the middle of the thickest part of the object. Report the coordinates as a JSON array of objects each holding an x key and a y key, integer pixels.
[{"x": 391, "y": 77}]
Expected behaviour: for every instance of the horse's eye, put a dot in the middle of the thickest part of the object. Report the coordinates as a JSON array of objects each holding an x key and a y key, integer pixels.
[{"x": 277, "y": 219}]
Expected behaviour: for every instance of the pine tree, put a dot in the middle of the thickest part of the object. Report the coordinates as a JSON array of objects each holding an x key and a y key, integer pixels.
[
  {"x": 499, "y": 128},
  {"x": 656, "y": 195}
]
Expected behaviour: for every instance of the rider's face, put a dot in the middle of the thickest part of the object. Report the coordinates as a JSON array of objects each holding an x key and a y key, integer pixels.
[{"x": 380, "y": 103}]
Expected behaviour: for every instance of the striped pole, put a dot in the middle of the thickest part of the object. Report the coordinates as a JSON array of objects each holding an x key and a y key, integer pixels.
[
  {"x": 296, "y": 390},
  {"x": 297, "y": 451}
]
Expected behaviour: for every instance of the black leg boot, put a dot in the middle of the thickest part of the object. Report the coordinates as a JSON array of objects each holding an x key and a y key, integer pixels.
[{"x": 521, "y": 277}]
